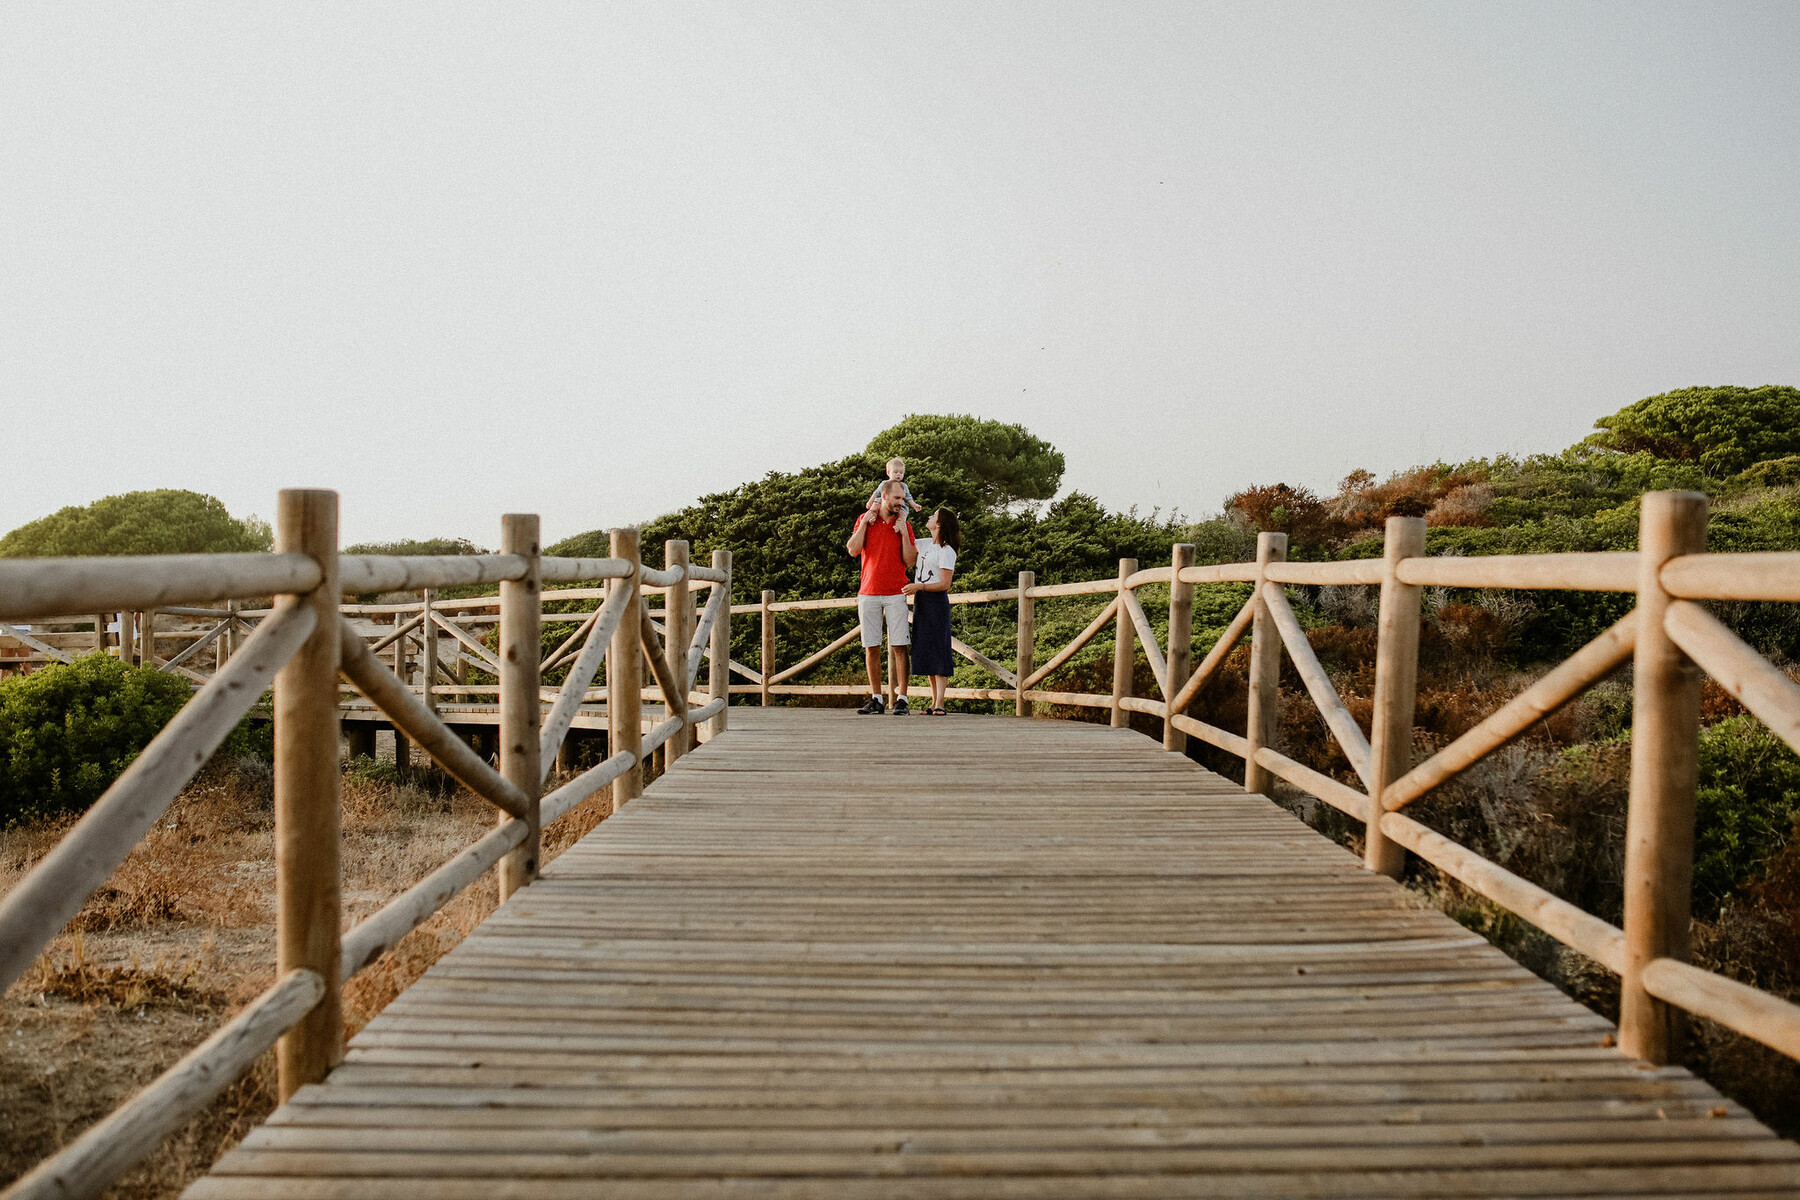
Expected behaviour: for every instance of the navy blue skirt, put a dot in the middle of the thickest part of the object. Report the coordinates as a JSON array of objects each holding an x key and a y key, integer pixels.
[{"x": 931, "y": 634}]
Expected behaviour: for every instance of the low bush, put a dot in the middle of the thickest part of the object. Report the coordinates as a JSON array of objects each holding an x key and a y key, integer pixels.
[{"x": 68, "y": 731}]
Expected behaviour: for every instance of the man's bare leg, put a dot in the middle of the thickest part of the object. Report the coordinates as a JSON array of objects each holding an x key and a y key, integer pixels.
[
  {"x": 872, "y": 661},
  {"x": 902, "y": 668}
]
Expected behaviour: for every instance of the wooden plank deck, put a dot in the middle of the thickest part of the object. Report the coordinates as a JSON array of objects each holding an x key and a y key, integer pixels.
[{"x": 831, "y": 956}]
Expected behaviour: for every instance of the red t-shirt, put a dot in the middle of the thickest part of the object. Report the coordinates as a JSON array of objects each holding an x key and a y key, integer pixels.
[{"x": 883, "y": 565}]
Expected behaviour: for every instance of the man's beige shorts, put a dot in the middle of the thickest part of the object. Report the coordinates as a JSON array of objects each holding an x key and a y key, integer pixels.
[{"x": 873, "y": 610}]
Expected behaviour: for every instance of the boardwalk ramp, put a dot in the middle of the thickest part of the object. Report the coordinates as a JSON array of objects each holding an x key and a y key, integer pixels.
[{"x": 831, "y": 956}]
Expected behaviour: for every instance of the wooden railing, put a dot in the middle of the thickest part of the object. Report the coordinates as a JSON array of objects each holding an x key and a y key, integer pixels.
[
  {"x": 301, "y": 646},
  {"x": 1669, "y": 638}
]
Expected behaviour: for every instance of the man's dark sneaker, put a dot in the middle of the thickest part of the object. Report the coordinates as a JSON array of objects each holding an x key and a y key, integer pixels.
[
  {"x": 874, "y": 705},
  {"x": 900, "y": 706}
]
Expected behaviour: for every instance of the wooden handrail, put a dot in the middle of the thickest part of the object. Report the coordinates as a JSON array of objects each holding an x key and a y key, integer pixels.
[
  {"x": 1752, "y": 575},
  {"x": 1600, "y": 571},
  {"x": 48, "y": 587}
]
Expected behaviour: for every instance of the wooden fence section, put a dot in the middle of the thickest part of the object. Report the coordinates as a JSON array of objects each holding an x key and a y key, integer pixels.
[
  {"x": 302, "y": 646},
  {"x": 831, "y": 956},
  {"x": 1668, "y": 638}
]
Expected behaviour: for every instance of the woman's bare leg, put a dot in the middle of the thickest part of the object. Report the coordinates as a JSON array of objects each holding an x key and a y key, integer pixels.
[{"x": 938, "y": 683}]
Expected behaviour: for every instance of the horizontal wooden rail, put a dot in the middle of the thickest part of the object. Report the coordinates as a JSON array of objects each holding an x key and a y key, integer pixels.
[
  {"x": 113, "y": 1145},
  {"x": 1754, "y": 1013},
  {"x": 1340, "y": 796},
  {"x": 1582, "y": 931},
  {"x": 1149, "y": 575},
  {"x": 1599, "y": 571},
  {"x": 1755, "y": 575},
  {"x": 1580, "y": 671},
  {"x": 1071, "y": 699},
  {"x": 50, "y": 895},
  {"x": 581, "y": 570},
  {"x": 47, "y": 587},
  {"x": 412, "y": 573},
  {"x": 1145, "y": 705},
  {"x": 1244, "y": 572},
  {"x": 1354, "y": 572},
  {"x": 1212, "y": 735}
]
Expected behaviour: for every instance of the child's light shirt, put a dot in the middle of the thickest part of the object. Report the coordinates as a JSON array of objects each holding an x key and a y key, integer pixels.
[{"x": 934, "y": 560}]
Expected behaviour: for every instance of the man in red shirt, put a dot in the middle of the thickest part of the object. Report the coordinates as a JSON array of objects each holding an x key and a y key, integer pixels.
[{"x": 884, "y": 542}]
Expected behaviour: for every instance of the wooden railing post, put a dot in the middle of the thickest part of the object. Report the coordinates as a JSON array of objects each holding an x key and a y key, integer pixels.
[
  {"x": 1027, "y": 639},
  {"x": 1659, "y": 824},
  {"x": 402, "y": 744},
  {"x": 1396, "y": 687},
  {"x": 625, "y": 677},
  {"x": 768, "y": 643},
  {"x": 521, "y": 648},
  {"x": 308, "y": 914},
  {"x": 718, "y": 675},
  {"x": 678, "y": 635},
  {"x": 100, "y": 624},
  {"x": 127, "y": 638},
  {"x": 1181, "y": 640},
  {"x": 234, "y": 628},
  {"x": 1265, "y": 670},
  {"x": 1124, "y": 648},
  {"x": 428, "y": 658},
  {"x": 147, "y": 639}
]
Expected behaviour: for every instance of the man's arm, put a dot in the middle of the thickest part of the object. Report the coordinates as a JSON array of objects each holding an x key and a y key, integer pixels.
[
  {"x": 855, "y": 544},
  {"x": 909, "y": 550}
]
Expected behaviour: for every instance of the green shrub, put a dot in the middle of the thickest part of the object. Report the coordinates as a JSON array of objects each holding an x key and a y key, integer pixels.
[
  {"x": 67, "y": 731},
  {"x": 1749, "y": 796}
]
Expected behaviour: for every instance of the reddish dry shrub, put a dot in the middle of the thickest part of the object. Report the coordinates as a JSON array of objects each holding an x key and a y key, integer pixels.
[
  {"x": 1441, "y": 495},
  {"x": 1470, "y": 629},
  {"x": 1716, "y": 704},
  {"x": 1282, "y": 508}
]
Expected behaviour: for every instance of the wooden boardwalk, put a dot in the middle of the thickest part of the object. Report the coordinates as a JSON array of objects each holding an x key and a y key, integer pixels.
[{"x": 830, "y": 956}]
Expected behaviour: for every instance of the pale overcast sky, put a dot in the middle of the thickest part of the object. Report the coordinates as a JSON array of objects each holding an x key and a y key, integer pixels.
[{"x": 594, "y": 260}]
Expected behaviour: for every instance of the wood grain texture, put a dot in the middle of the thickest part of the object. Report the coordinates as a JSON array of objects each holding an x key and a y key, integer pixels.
[{"x": 830, "y": 955}]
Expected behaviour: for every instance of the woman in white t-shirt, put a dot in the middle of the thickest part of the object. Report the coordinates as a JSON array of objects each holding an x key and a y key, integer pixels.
[{"x": 930, "y": 591}]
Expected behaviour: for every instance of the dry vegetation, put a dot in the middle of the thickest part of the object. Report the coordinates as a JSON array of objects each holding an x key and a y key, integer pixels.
[{"x": 183, "y": 935}]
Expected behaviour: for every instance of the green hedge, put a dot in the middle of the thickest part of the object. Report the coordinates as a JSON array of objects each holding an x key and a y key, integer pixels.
[{"x": 67, "y": 731}]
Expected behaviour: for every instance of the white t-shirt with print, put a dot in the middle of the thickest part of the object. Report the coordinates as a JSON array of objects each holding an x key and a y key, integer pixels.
[{"x": 934, "y": 560}]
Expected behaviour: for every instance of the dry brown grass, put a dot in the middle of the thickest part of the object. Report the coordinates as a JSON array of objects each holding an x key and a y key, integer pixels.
[{"x": 182, "y": 936}]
